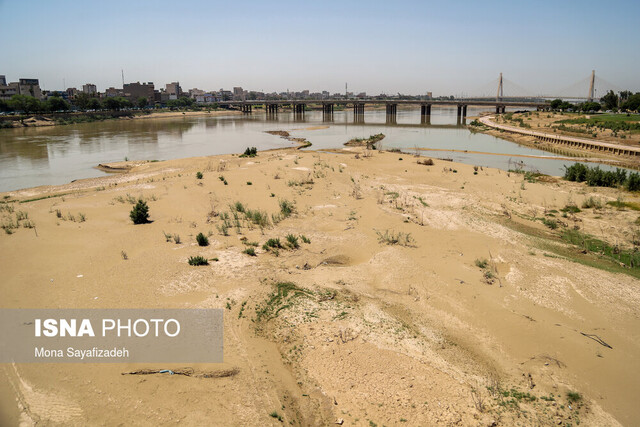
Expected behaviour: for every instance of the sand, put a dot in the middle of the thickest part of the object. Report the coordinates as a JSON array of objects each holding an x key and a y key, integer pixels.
[{"x": 388, "y": 334}]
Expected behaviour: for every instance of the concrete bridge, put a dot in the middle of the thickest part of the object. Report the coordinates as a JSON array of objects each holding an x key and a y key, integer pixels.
[{"x": 298, "y": 106}]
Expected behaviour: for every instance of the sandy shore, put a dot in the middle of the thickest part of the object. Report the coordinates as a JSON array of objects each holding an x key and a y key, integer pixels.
[{"x": 390, "y": 329}]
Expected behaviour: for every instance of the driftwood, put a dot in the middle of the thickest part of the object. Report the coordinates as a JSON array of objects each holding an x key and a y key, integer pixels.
[
  {"x": 188, "y": 372},
  {"x": 597, "y": 339}
]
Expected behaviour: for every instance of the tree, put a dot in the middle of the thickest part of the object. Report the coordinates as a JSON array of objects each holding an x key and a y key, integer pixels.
[
  {"x": 590, "y": 106},
  {"x": 56, "y": 103},
  {"x": 633, "y": 103},
  {"x": 555, "y": 104},
  {"x": 142, "y": 102},
  {"x": 140, "y": 213},
  {"x": 82, "y": 100},
  {"x": 4, "y": 106},
  {"x": 610, "y": 101},
  {"x": 26, "y": 104},
  {"x": 94, "y": 104}
]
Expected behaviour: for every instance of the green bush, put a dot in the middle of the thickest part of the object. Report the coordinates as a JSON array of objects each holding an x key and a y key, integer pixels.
[
  {"x": 202, "y": 240},
  {"x": 199, "y": 175},
  {"x": 272, "y": 244},
  {"x": 250, "y": 251},
  {"x": 292, "y": 241},
  {"x": 198, "y": 260},
  {"x": 250, "y": 152},
  {"x": 140, "y": 213}
]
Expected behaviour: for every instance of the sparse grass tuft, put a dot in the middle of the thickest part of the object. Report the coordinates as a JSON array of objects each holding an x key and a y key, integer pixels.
[
  {"x": 391, "y": 237},
  {"x": 250, "y": 251},
  {"x": 592, "y": 202},
  {"x": 305, "y": 239},
  {"x": 482, "y": 263}
]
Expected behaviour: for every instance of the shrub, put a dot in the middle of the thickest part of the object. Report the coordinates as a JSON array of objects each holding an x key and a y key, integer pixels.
[
  {"x": 482, "y": 263},
  {"x": 305, "y": 239},
  {"x": 140, "y": 213},
  {"x": 292, "y": 241},
  {"x": 286, "y": 208},
  {"x": 202, "y": 240},
  {"x": 259, "y": 218},
  {"x": 570, "y": 209},
  {"x": 592, "y": 202},
  {"x": 272, "y": 244},
  {"x": 250, "y": 152},
  {"x": 238, "y": 207},
  {"x": 198, "y": 260},
  {"x": 573, "y": 396},
  {"x": 199, "y": 175},
  {"x": 250, "y": 251},
  {"x": 249, "y": 183}
]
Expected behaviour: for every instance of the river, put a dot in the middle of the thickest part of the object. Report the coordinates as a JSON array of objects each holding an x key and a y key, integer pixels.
[{"x": 53, "y": 155}]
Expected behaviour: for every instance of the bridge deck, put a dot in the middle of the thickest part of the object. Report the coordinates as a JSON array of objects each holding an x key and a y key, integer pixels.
[{"x": 453, "y": 102}]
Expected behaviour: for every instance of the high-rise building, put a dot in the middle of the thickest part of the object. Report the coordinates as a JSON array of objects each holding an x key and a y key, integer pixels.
[
  {"x": 89, "y": 89},
  {"x": 3, "y": 81}
]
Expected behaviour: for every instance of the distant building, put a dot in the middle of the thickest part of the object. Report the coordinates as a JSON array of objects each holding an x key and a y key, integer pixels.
[
  {"x": 113, "y": 92},
  {"x": 134, "y": 91},
  {"x": 225, "y": 95},
  {"x": 89, "y": 89},
  {"x": 72, "y": 92},
  {"x": 173, "y": 90},
  {"x": 193, "y": 93},
  {"x": 429, "y": 95},
  {"x": 8, "y": 90},
  {"x": 30, "y": 87},
  {"x": 3, "y": 81},
  {"x": 238, "y": 94}
]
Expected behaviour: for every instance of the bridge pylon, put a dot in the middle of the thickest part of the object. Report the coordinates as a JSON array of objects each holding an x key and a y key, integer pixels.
[
  {"x": 592, "y": 86},
  {"x": 500, "y": 92}
]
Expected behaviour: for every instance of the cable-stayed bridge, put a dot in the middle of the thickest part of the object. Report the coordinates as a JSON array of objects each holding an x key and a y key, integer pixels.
[{"x": 590, "y": 88}]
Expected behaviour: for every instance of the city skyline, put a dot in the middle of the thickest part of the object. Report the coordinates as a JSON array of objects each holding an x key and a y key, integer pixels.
[{"x": 409, "y": 47}]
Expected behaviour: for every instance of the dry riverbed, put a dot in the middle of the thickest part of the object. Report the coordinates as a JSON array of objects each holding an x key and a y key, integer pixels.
[{"x": 402, "y": 293}]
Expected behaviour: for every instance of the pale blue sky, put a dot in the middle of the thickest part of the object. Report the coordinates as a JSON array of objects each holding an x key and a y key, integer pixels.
[{"x": 392, "y": 46}]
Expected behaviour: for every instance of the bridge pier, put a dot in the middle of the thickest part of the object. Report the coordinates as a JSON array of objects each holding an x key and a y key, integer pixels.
[
  {"x": 327, "y": 112},
  {"x": 271, "y": 109},
  {"x": 392, "y": 109},
  {"x": 246, "y": 108},
  {"x": 425, "y": 114},
  {"x": 298, "y": 111},
  {"x": 500, "y": 109}
]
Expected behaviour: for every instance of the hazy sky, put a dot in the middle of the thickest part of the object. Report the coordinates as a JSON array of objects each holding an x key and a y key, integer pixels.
[{"x": 447, "y": 47}]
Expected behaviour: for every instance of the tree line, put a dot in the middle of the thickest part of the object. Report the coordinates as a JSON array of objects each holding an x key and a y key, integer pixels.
[
  {"x": 623, "y": 101},
  {"x": 83, "y": 102}
]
